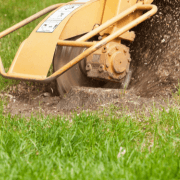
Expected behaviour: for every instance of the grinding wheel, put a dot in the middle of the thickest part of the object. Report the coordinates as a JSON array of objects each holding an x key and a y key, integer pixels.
[{"x": 75, "y": 76}]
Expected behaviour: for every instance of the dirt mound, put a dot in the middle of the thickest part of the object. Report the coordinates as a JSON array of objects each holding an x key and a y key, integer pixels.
[
  {"x": 24, "y": 103},
  {"x": 156, "y": 52}
]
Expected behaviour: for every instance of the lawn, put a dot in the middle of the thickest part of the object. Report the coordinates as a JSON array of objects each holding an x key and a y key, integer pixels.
[
  {"x": 91, "y": 146},
  {"x": 87, "y": 145}
]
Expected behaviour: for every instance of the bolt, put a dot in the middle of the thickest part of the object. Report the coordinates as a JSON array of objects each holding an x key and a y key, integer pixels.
[
  {"x": 96, "y": 26},
  {"x": 125, "y": 50},
  {"x": 104, "y": 49},
  {"x": 129, "y": 60},
  {"x": 100, "y": 38},
  {"x": 88, "y": 67},
  {"x": 101, "y": 68},
  {"x": 117, "y": 47},
  {"x": 107, "y": 63},
  {"x": 110, "y": 53}
]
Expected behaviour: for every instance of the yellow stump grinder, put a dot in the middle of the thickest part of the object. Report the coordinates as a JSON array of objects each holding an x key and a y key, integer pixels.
[{"x": 82, "y": 39}]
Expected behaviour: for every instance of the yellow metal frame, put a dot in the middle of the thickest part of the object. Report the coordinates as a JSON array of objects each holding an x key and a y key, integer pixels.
[
  {"x": 75, "y": 43},
  {"x": 152, "y": 9}
]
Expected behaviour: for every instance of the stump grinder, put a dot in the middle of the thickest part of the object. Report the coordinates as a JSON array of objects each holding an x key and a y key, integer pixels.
[{"x": 82, "y": 39}]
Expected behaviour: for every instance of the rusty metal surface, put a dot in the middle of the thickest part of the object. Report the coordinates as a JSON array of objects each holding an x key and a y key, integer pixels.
[{"x": 111, "y": 62}]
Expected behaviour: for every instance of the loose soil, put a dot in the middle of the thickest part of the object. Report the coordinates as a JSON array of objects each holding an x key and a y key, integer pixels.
[
  {"x": 26, "y": 100},
  {"x": 156, "y": 52},
  {"x": 156, "y": 71}
]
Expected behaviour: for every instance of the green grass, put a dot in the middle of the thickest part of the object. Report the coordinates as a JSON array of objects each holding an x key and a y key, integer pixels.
[{"x": 91, "y": 146}]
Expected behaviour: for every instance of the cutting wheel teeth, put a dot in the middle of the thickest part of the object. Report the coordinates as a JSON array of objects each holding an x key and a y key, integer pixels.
[{"x": 75, "y": 76}]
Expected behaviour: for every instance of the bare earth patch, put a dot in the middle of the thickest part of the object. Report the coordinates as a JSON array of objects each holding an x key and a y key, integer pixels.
[{"x": 27, "y": 100}]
